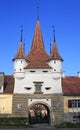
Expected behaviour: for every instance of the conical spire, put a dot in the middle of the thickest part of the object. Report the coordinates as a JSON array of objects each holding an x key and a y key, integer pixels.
[
  {"x": 37, "y": 51},
  {"x": 55, "y": 54},
  {"x": 38, "y": 56},
  {"x": 20, "y": 53},
  {"x": 37, "y": 38}
]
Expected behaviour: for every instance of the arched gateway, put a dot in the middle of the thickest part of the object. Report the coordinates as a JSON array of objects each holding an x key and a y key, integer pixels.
[{"x": 39, "y": 113}]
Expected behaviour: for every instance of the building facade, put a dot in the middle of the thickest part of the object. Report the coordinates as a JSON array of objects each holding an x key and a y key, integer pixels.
[{"x": 38, "y": 89}]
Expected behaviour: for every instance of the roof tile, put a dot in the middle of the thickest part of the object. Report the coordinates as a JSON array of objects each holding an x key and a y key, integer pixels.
[
  {"x": 20, "y": 53},
  {"x": 37, "y": 65},
  {"x": 38, "y": 56},
  {"x": 37, "y": 51},
  {"x": 8, "y": 84},
  {"x": 55, "y": 54},
  {"x": 71, "y": 85}
]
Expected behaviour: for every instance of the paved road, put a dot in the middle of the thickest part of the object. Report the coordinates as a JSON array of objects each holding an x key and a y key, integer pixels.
[{"x": 44, "y": 129}]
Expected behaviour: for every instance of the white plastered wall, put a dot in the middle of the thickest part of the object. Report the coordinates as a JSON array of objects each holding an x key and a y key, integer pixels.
[
  {"x": 56, "y": 65},
  {"x": 49, "y": 79}
]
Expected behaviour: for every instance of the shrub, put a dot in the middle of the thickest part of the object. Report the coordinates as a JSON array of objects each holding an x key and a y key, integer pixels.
[{"x": 68, "y": 125}]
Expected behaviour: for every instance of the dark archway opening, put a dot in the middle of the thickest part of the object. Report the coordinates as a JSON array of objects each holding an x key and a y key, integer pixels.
[{"x": 39, "y": 113}]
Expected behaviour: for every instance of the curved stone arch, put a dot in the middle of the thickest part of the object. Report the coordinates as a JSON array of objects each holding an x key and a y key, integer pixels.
[
  {"x": 45, "y": 104},
  {"x": 40, "y": 103}
]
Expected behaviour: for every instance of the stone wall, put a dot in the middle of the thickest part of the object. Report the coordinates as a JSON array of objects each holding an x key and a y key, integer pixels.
[
  {"x": 21, "y": 107},
  {"x": 57, "y": 107},
  {"x": 73, "y": 117}
]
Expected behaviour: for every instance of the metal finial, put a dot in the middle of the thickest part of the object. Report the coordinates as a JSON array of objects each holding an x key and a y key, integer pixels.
[
  {"x": 37, "y": 12},
  {"x": 50, "y": 46},
  {"x": 54, "y": 33},
  {"x": 21, "y": 32}
]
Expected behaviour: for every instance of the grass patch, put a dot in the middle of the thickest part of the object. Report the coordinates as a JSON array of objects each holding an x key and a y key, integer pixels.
[
  {"x": 14, "y": 122},
  {"x": 68, "y": 125}
]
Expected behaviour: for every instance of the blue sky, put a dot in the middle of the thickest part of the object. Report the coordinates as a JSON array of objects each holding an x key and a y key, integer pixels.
[{"x": 63, "y": 14}]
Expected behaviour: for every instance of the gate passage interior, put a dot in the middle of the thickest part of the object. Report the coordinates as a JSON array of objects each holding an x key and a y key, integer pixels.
[{"x": 38, "y": 113}]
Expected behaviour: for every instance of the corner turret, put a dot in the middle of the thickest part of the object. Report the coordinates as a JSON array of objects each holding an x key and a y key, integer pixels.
[
  {"x": 20, "y": 61},
  {"x": 55, "y": 60}
]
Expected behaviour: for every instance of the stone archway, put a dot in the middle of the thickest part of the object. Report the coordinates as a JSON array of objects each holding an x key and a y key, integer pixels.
[{"x": 39, "y": 113}]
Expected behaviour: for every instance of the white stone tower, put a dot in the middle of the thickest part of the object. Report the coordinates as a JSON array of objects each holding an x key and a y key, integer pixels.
[
  {"x": 55, "y": 60},
  {"x": 37, "y": 72},
  {"x": 19, "y": 61}
]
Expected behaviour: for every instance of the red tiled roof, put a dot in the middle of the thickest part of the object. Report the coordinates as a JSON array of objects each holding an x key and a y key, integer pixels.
[
  {"x": 20, "y": 53},
  {"x": 37, "y": 42},
  {"x": 37, "y": 51},
  {"x": 55, "y": 54},
  {"x": 37, "y": 54},
  {"x": 71, "y": 85},
  {"x": 8, "y": 84},
  {"x": 37, "y": 65}
]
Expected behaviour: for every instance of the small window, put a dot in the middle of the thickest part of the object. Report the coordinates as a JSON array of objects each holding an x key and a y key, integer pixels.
[
  {"x": 47, "y": 88},
  {"x": 54, "y": 62},
  {"x": 74, "y": 103},
  {"x": 32, "y": 71},
  {"x": 74, "y": 83},
  {"x": 38, "y": 86},
  {"x": 20, "y": 69},
  {"x": 45, "y": 71},
  {"x": 28, "y": 88},
  {"x": 78, "y": 103}
]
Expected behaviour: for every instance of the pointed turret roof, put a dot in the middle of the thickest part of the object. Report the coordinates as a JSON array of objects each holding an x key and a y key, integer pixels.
[
  {"x": 20, "y": 53},
  {"x": 54, "y": 53},
  {"x": 37, "y": 53}
]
